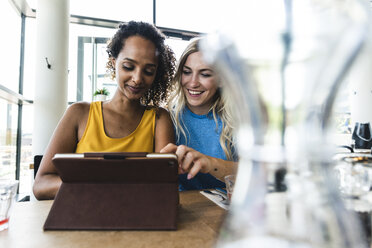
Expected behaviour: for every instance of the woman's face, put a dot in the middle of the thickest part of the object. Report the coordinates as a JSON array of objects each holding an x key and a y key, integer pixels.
[
  {"x": 198, "y": 84},
  {"x": 135, "y": 67}
]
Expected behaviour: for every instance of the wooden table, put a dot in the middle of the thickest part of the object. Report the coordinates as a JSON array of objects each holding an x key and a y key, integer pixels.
[{"x": 198, "y": 225}]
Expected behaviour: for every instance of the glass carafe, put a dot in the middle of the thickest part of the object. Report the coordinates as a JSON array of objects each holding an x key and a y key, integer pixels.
[{"x": 282, "y": 63}]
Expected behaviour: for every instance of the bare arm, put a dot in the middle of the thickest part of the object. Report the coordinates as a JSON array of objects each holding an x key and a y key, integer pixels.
[
  {"x": 64, "y": 140},
  {"x": 164, "y": 132},
  {"x": 193, "y": 162}
]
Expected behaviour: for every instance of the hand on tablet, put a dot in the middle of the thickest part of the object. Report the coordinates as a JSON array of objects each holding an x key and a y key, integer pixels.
[
  {"x": 189, "y": 160},
  {"x": 192, "y": 162}
]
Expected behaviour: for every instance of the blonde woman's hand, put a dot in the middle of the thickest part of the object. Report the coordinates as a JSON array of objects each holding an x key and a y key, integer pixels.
[{"x": 189, "y": 160}]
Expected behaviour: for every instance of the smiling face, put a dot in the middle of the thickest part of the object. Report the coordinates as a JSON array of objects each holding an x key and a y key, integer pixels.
[
  {"x": 198, "y": 84},
  {"x": 135, "y": 67}
]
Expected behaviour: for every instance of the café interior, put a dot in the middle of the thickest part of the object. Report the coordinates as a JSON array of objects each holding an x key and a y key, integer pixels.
[{"x": 298, "y": 73}]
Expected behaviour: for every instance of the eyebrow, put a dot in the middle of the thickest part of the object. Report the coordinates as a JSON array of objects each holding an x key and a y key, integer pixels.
[
  {"x": 202, "y": 70},
  {"x": 133, "y": 61}
]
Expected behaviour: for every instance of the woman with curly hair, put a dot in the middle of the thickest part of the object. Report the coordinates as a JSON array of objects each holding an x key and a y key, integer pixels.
[
  {"x": 132, "y": 121},
  {"x": 202, "y": 117}
]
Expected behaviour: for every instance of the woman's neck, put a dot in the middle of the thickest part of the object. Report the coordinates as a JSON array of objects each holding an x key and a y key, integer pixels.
[
  {"x": 123, "y": 105},
  {"x": 199, "y": 110}
]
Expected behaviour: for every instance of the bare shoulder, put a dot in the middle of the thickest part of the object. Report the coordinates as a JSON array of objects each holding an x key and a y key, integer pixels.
[
  {"x": 161, "y": 113},
  {"x": 77, "y": 112},
  {"x": 163, "y": 117},
  {"x": 164, "y": 133},
  {"x": 79, "y": 108}
]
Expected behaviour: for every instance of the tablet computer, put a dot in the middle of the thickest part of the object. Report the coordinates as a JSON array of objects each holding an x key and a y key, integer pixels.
[{"x": 115, "y": 191}]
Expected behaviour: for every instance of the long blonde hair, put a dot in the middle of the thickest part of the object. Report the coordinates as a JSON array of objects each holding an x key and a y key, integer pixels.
[{"x": 221, "y": 106}]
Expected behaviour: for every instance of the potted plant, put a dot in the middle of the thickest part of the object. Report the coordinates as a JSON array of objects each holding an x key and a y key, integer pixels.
[{"x": 101, "y": 94}]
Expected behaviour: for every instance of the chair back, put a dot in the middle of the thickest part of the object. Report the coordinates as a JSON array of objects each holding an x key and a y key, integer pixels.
[{"x": 37, "y": 160}]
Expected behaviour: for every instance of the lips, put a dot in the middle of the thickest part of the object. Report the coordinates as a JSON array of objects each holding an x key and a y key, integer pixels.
[{"x": 135, "y": 90}]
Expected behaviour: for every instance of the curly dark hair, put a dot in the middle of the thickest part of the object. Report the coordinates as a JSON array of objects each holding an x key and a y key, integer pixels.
[{"x": 161, "y": 87}]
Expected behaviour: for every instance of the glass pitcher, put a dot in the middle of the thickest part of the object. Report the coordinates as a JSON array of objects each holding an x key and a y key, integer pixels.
[{"x": 283, "y": 62}]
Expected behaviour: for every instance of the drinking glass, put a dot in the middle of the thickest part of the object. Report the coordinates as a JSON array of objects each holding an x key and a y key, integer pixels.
[
  {"x": 8, "y": 190},
  {"x": 230, "y": 182},
  {"x": 354, "y": 180}
]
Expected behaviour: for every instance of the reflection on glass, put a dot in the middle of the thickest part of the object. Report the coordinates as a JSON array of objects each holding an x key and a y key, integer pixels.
[{"x": 308, "y": 46}]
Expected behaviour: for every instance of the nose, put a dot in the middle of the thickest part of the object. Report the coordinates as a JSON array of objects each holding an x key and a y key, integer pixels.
[
  {"x": 194, "y": 80},
  {"x": 137, "y": 77}
]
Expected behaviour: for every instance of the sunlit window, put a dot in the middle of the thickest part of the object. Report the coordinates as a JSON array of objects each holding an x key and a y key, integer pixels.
[
  {"x": 8, "y": 135},
  {"x": 123, "y": 10},
  {"x": 10, "y": 28},
  {"x": 194, "y": 15}
]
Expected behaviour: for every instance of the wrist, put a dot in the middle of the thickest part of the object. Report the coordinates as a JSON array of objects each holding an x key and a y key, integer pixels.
[{"x": 214, "y": 166}]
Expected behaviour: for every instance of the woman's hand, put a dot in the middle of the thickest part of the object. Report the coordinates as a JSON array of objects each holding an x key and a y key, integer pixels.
[{"x": 192, "y": 162}]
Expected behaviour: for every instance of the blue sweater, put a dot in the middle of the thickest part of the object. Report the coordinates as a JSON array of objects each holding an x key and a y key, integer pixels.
[{"x": 202, "y": 135}]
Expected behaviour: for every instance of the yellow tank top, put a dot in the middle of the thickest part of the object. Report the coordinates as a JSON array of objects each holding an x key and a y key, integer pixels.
[{"x": 95, "y": 139}]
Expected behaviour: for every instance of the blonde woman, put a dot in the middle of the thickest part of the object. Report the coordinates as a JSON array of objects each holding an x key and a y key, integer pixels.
[{"x": 203, "y": 124}]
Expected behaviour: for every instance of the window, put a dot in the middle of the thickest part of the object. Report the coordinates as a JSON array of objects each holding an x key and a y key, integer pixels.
[
  {"x": 26, "y": 175},
  {"x": 124, "y": 10},
  {"x": 10, "y": 27},
  {"x": 30, "y": 54},
  {"x": 8, "y": 134},
  {"x": 10, "y": 83}
]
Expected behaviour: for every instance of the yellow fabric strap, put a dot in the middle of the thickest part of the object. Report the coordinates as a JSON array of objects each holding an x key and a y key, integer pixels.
[{"x": 95, "y": 139}]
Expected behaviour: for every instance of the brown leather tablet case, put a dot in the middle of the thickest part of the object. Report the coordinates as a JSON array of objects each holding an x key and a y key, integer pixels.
[{"x": 115, "y": 191}]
